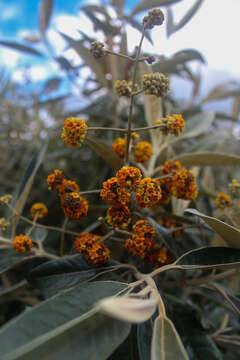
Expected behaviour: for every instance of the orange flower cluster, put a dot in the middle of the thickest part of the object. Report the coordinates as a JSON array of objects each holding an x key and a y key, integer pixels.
[
  {"x": 184, "y": 185},
  {"x": 95, "y": 253},
  {"x": 119, "y": 147},
  {"x": 74, "y": 206},
  {"x": 148, "y": 193},
  {"x": 171, "y": 223},
  {"x": 38, "y": 210},
  {"x": 223, "y": 200},
  {"x": 68, "y": 186},
  {"x": 141, "y": 243},
  {"x": 55, "y": 180},
  {"x": 113, "y": 193},
  {"x": 172, "y": 124},
  {"x": 74, "y": 132},
  {"x": 143, "y": 151},
  {"x": 118, "y": 216},
  {"x": 22, "y": 243},
  {"x": 129, "y": 177}
]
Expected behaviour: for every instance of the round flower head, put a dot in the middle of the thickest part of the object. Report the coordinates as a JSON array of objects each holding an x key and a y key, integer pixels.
[
  {"x": 143, "y": 228},
  {"x": 97, "y": 49},
  {"x": 97, "y": 254},
  {"x": 4, "y": 224},
  {"x": 68, "y": 186},
  {"x": 129, "y": 177},
  {"x": 184, "y": 185},
  {"x": 74, "y": 206},
  {"x": 169, "y": 168},
  {"x": 84, "y": 241},
  {"x": 139, "y": 246},
  {"x": 155, "y": 84},
  {"x": 124, "y": 88},
  {"x": 55, "y": 180},
  {"x": 154, "y": 17},
  {"x": 119, "y": 147},
  {"x": 234, "y": 186},
  {"x": 143, "y": 151},
  {"x": 74, "y": 132},
  {"x": 38, "y": 210},
  {"x": 113, "y": 194},
  {"x": 22, "y": 243},
  {"x": 118, "y": 216},
  {"x": 222, "y": 201},
  {"x": 176, "y": 124},
  {"x": 159, "y": 257},
  {"x": 148, "y": 193}
]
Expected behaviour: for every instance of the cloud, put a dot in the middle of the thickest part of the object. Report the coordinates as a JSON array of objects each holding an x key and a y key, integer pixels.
[{"x": 9, "y": 12}]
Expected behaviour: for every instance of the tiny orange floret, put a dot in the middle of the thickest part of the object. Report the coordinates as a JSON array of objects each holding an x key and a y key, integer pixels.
[
  {"x": 22, "y": 243},
  {"x": 38, "y": 210},
  {"x": 176, "y": 124}
]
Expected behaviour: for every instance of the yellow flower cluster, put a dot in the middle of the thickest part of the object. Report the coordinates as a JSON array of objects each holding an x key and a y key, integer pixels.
[
  {"x": 38, "y": 210},
  {"x": 74, "y": 132},
  {"x": 22, "y": 243},
  {"x": 119, "y": 147},
  {"x": 143, "y": 151},
  {"x": 223, "y": 200}
]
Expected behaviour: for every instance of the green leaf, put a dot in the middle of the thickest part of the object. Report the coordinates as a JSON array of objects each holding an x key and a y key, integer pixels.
[
  {"x": 166, "y": 343},
  {"x": 222, "y": 91},
  {"x": 10, "y": 258},
  {"x": 208, "y": 159},
  {"x": 23, "y": 190},
  {"x": 144, "y": 333},
  {"x": 93, "y": 336},
  {"x": 210, "y": 258},
  {"x": 186, "y": 55},
  {"x": 187, "y": 319},
  {"x": 21, "y": 47},
  {"x": 149, "y": 4},
  {"x": 58, "y": 324},
  {"x": 228, "y": 233},
  {"x": 87, "y": 57},
  {"x": 60, "y": 274},
  {"x": 44, "y": 16},
  {"x": 186, "y": 18},
  {"x": 106, "y": 153}
]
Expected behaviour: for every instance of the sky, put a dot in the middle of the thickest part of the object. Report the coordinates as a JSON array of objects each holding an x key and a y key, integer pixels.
[{"x": 213, "y": 31}]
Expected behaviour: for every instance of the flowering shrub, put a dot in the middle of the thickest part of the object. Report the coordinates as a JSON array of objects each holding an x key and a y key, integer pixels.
[{"x": 102, "y": 258}]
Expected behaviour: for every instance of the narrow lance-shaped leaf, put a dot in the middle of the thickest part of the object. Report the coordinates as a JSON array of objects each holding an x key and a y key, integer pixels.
[
  {"x": 55, "y": 325},
  {"x": 106, "y": 153},
  {"x": 188, "y": 16},
  {"x": 20, "y": 47},
  {"x": 44, "y": 14},
  {"x": 228, "y": 233},
  {"x": 24, "y": 188},
  {"x": 197, "y": 125},
  {"x": 128, "y": 309},
  {"x": 208, "y": 159},
  {"x": 148, "y": 4},
  {"x": 166, "y": 343},
  {"x": 209, "y": 258}
]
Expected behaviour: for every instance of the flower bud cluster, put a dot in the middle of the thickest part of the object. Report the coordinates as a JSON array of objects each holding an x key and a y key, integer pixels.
[
  {"x": 155, "y": 17},
  {"x": 97, "y": 49},
  {"x": 95, "y": 253},
  {"x": 74, "y": 206},
  {"x": 223, "y": 201},
  {"x": 156, "y": 84},
  {"x": 124, "y": 88}
]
